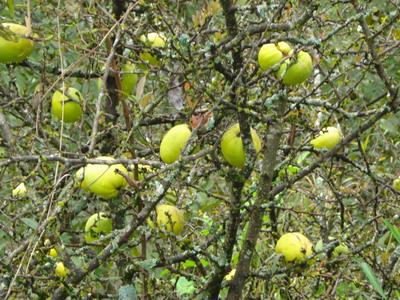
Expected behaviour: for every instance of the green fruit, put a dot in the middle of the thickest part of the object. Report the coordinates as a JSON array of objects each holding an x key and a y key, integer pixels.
[
  {"x": 153, "y": 40},
  {"x": 97, "y": 225},
  {"x": 20, "y": 191},
  {"x": 268, "y": 56},
  {"x": 340, "y": 249},
  {"x": 129, "y": 80},
  {"x": 396, "y": 184},
  {"x": 14, "y": 48},
  {"x": 173, "y": 142},
  {"x": 69, "y": 102},
  {"x": 232, "y": 146},
  {"x": 102, "y": 180},
  {"x": 294, "y": 247},
  {"x": 284, "y": 48},
  {"x": 298, "y": 72},
  {"x": 170, "y": 218},
  {"x": 328, "y": 138}
]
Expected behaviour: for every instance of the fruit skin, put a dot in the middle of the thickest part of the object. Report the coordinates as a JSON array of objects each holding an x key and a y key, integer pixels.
[
  {"x": 101, "y": 180},
  {"x": 167, "y": 214},
  {"x": 173, "y": 142},
  {"x": 284, "y": 48},
  {"x": 61, "y": 270},
  {"x": 268, "y": 56},
  {"x": 299, "y": 71},
  {"x": 53, "y": 252},
  {"x": 128, "y": 81},
  {"x": 14, "y": 48},
  {"x": 294, "y": 247},
  {"x": 328, "y": 138},
  {"x": 20, "y": 191},
  {"x": 396, "y": 184},
  {"x": 154, "y": 40},
  {"x": 72, "y": 107},
  {"x": 232, "y": 146},
  {"x": 97, "y": 224}
]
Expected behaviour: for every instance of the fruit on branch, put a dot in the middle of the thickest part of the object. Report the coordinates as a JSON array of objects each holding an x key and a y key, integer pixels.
[
  {"x": 291, "y": 72},
  {"x": 153, "y": 40},
  {"x": 328, "y": 138},
  {"x": 67, "y": 106},
  {"x": 61, "y": 270},
  {"x": 268, "y": 56},
  {"x": 53, "y": 252},
  {"x": 170, "y": 218},
  {"x": 294, "y": 247},
  {"x": 298, "y": 72},
  {"x": 232, "y": 146},
  {"x": 14, "y": 46},
  {"x": 173, "y": 143},
  {"x": 20, "y": 191},
  {"x": 340, "y": 249},
  {"x": 97, "y": 225},
  {"x": 128, "y": 80},
  {"x": 102, "y": 179},
  {"x": 396, "y": 184}
]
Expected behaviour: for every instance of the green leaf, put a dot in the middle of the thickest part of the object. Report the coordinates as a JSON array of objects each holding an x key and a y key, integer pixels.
[
  {"x": 369, "y": 273},
  {"x": 30, "y": 222},
  {"x": 11, "y": 7},
  {"x": 127, "y": 292},
  {"x": 393, "y": 230},
  {"x": 184, "y": 287}
]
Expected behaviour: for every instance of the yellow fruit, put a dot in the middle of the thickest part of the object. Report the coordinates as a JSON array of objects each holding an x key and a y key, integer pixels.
[
  {"x": 128, "y": 80},
  {"x": 396, "y": 184},
  {"x": 20, "y": 191},
  {"x": 294, "y": 247},
  {"x": 70, "y": 102},
  {"x": 102, "y": 180},
  {"x": 284, "y": 48},
  {"x": 14, "y": 48},
  {"x": 328, "y": 138},
  {"x": 53, "y": 252},
  {"x": 61, "y": 270},
  {"x": 173, "y": 142},
  {"x": 230, "y": 275},
  {"x": 170, "y": 218},
  {"x": 268, "y": 56},
  {"x": 299, "y": 71},
  {"x": 232, "y": 146},
  {"x": 97, "y": 225},
  {"x": 153, "y": 40}
]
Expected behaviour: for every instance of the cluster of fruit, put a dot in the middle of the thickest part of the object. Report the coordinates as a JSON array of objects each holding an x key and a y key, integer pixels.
[{"x": 105, "y": 180}]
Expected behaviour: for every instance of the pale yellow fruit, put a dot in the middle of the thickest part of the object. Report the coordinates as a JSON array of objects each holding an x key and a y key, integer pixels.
[
  {"x": 14, "y": 47},
  {"x": 328, "y": 138},
  {"x": 102, "y": 180},
  {"x": 268, "y": 56},
  {"x": 284, "y": 48},
  {"x": 294, "y": 247},
  {"x": 170, "y": 218},
  {"x": 53, "y": 252},
  {"x": 61, "y": 270},
  {"x": 68, "y": 103},
  {"x": 396, "y": 184},
  {"x": 96, "y": 226},
  {"x": 299, "y": 71},
  {"x": 20, "y": 191},
  {"x": 154, "y": 40},
  {"x": 173, "y": 143},
  {"x": 232, "y": 146}
]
